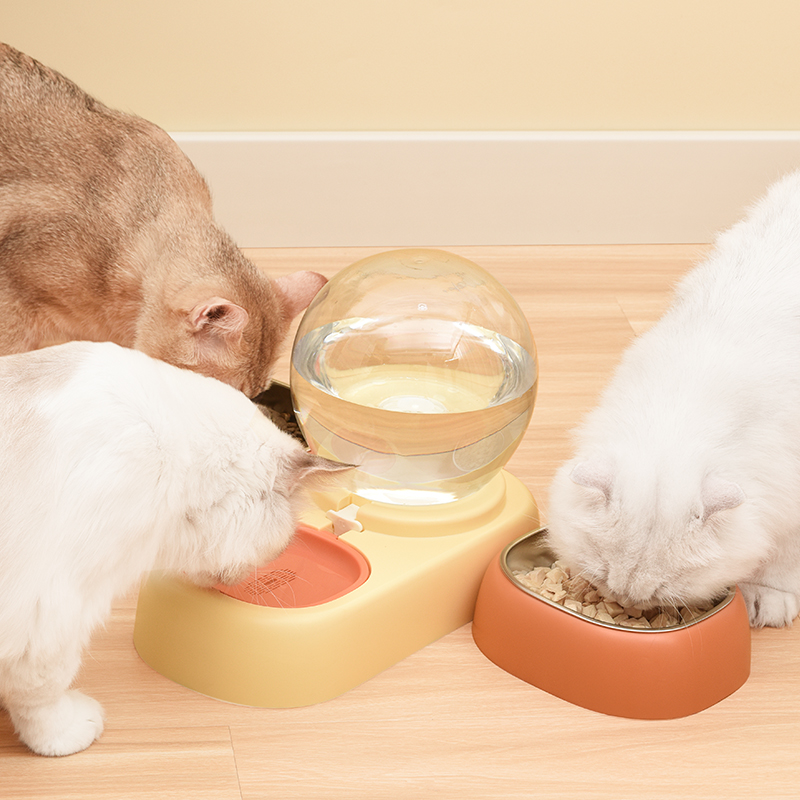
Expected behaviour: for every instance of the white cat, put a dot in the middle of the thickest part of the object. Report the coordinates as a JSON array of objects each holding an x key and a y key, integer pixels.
[
  {"x": 686, "y": 477},
  {"x": 112, "y": 464}
]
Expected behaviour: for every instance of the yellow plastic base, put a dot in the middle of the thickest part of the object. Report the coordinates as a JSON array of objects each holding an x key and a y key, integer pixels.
[{"x": 426, "y": 566}]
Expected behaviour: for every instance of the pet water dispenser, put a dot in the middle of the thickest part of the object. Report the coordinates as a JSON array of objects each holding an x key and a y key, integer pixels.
[{"x": 420, "y": 368}]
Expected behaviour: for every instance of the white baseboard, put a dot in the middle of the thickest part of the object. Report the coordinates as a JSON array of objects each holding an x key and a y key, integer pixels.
[{"x": 399, "y": 189}]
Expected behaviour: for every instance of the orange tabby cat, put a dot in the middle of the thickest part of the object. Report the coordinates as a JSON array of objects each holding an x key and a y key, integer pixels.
[{"x": 107, "y": 233}]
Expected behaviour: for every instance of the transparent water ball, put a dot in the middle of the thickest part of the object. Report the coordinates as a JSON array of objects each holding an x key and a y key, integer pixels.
[{"x": 420, "y": 368}]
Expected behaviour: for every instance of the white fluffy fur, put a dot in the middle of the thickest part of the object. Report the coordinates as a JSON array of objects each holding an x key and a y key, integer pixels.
[
  {"x": 686, "y": 477},
  {"x": 112, "y": 464}
]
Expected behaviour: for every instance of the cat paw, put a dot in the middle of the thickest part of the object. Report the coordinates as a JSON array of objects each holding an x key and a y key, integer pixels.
[
  {"x": 769, "y": 607},
  {"x": 68, "y": 726}
]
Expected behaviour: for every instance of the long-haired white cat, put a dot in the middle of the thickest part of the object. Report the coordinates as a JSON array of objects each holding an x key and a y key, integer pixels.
[
  {"x": 686, "y": 477},
  {"x": 112, "y": 464}
]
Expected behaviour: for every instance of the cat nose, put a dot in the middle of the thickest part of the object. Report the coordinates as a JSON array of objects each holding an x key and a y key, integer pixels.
[
  {"x": 628, "y": 601},
  {"x": 638, "y": 594},
  {"x": 623, "y": 593}
]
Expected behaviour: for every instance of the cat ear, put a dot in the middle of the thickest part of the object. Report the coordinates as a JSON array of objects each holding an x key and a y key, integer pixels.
[
  {"x": 217, "y": 322},
  {"x": 298, "y": 290},
  {"x": 595, "y": 475},
  {"x": 311, "y": 470},
  {"x": 719, "y": 494}
]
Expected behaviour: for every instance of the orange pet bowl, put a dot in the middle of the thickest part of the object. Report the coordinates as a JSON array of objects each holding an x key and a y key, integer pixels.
[
  {"x": 315, "y": 568},
  {"x": 660, "y": 673}
]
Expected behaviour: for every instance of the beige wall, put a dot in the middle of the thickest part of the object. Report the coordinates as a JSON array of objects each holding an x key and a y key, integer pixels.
[{"x": 279, "y": 65}]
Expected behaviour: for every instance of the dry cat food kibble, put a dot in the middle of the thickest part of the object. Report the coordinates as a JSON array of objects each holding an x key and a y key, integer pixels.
[{"x": 554, "y": 583}]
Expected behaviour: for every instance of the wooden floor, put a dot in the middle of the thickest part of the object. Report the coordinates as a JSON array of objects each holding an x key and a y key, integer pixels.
[{"x": 445, "y": 722}]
